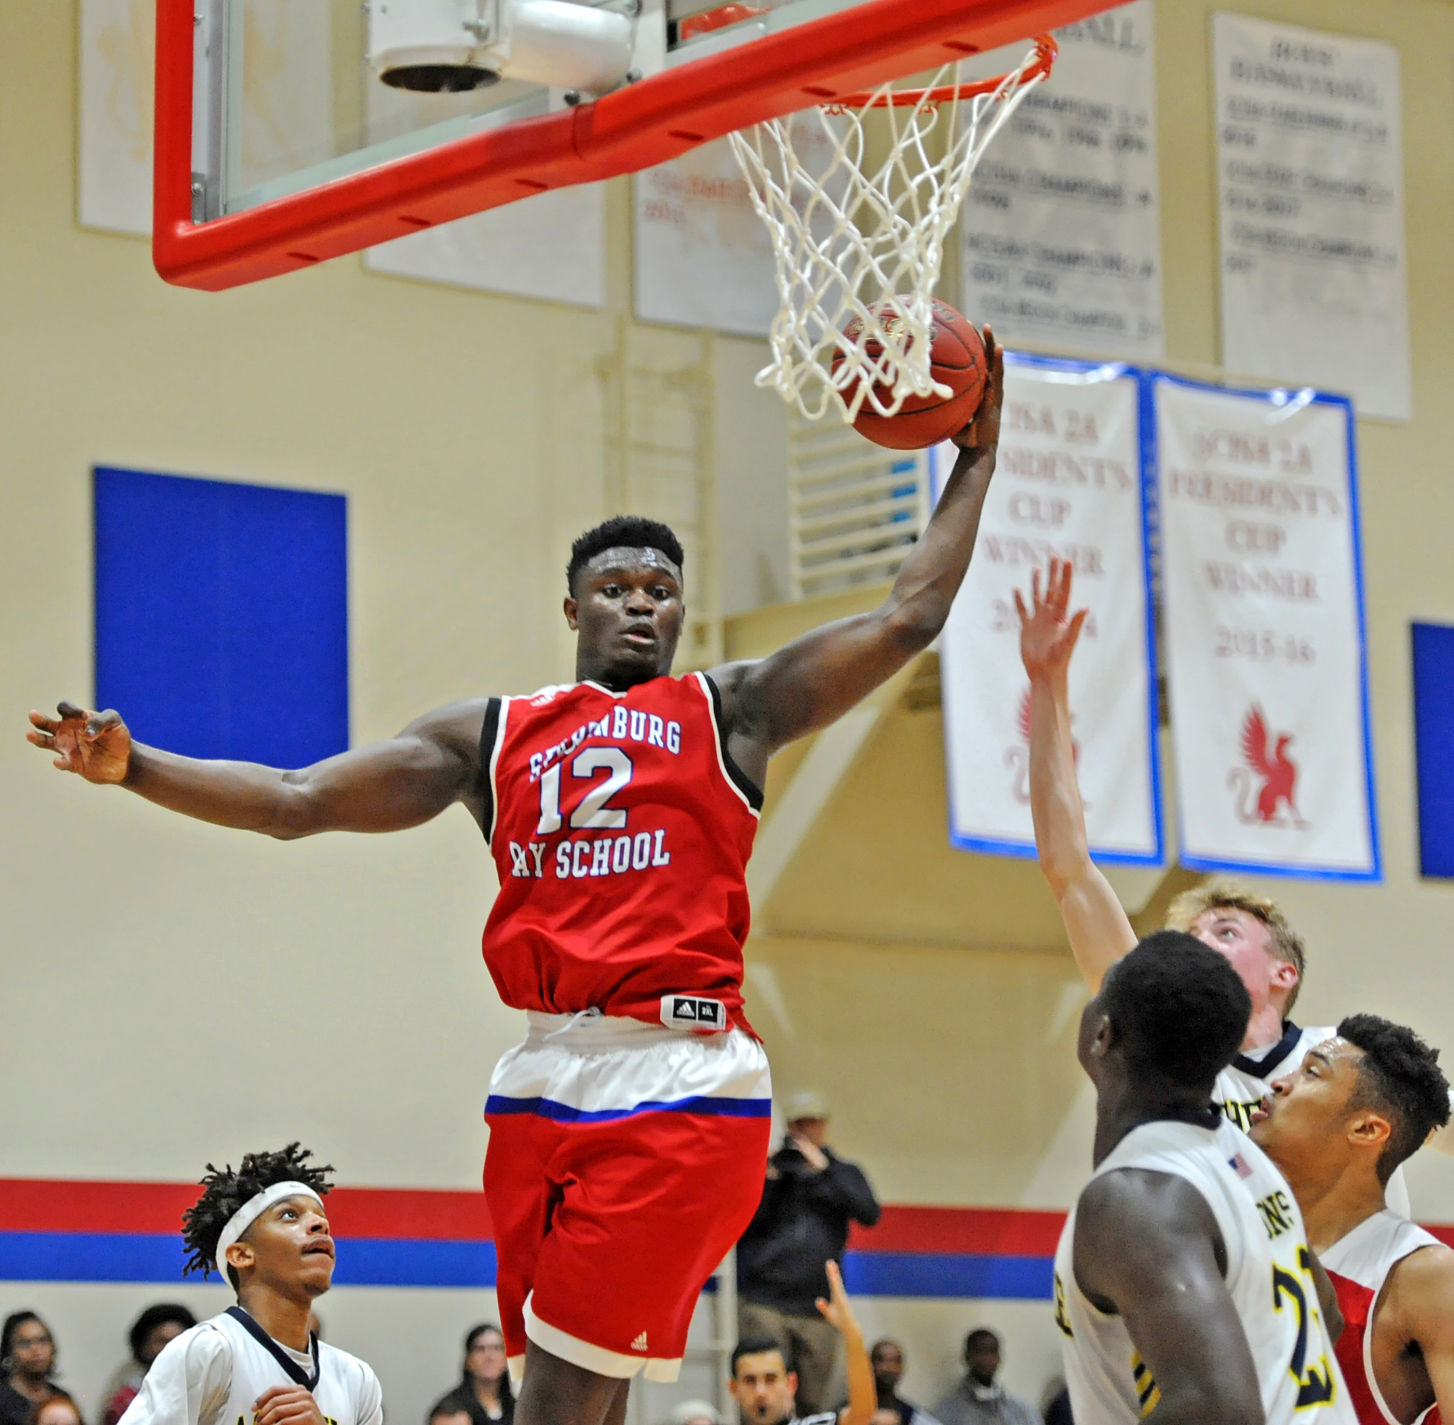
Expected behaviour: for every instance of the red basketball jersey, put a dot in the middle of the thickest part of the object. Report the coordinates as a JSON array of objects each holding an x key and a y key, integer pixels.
[
  {"x": 620, "y": 830},
  {"x": 1358, "y": 1264}
]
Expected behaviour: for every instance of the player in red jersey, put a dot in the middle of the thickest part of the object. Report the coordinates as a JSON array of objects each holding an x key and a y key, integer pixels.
[
  {"x": 1337, "y": 1127},
  {"x": 629, "y": 1130}
]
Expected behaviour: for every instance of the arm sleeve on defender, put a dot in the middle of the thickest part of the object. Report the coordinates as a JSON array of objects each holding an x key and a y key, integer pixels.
[{"x": 187, "y": 1384}]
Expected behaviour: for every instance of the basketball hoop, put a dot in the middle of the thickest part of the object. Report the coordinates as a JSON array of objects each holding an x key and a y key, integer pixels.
[{"x": 846, "y": 239}]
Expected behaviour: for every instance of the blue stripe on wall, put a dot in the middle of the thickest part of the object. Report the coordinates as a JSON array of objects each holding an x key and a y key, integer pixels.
[
  {"x": 1433, "y": 649},
  {"x": 932, "y": 1274},
  {"x": 222, "y": 615},
  {"x": 408, "y": 1262},
  {"x": 142, "y": 1257},
  {"x": 91, "y": 1257}
]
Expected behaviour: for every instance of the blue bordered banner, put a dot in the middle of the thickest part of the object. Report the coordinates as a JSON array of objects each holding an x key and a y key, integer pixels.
[
  {"x": 1070, "y": 484},
  {"x": 1264, "y": 630}
]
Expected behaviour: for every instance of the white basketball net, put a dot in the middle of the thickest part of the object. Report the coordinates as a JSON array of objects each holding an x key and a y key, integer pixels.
[{"x": 845, "y": 238}]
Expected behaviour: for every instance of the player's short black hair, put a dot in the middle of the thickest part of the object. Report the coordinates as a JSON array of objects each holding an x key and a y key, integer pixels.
[
  {"x": 163, "y": 1313},
  {"x": 755, "y": 1346},
  {"x": 1401, "y": 1078},
  {"x": 224, "y": 1190},
  {"x": 1179, "y": 1008},
  {"x": 622, "y": 532}
]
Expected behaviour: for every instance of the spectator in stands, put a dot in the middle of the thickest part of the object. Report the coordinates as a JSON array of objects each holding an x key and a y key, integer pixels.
[
  {"x": 693, "y": 1412},
  {"x": 149, "y": 1333},
  {"x": 979, "y": 1399},
  {"x": 27, "y": 1363},
  {"x": 1055, "y": 1405},
  {"x": 483, "y": 1392},
  {"x": 810, "y": 1197},
  {"x": 446, "y": 1413},
  {"x": 887, "y": 1360},
  {"x": 58, "y": 1410},
  {"x": 764, "y": 1387}
]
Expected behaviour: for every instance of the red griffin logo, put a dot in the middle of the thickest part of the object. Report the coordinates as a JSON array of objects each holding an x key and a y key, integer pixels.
[
  {"x": 1277, "y": 771},
  {"x": 1017, "y": 758}
]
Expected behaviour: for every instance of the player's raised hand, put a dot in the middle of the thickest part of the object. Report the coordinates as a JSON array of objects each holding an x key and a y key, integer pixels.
[
  {"x": 837, "y": 1311},
  {"x": 983, "y": 432},
  {"x": 93, "y": 745},
  {"x": 1048, "y": 631},
  {"x": 288, "y": 1405}
]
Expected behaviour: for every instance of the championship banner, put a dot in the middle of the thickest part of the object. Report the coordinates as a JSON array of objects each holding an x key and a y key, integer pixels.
[
  {"x": 1262, "y": 600},
  {"x": 1068, "y": 484},
  {"x": 1310, "y": 168},
  {"x": 552, "y": 247},
  {"x": 703, "y": 256},
  {"x": 287, "y": 106},
  {"x": 1061, "y": 231}
]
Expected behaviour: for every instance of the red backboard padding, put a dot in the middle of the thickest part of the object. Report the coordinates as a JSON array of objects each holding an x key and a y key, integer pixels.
[{"x": 636, "y": 127}]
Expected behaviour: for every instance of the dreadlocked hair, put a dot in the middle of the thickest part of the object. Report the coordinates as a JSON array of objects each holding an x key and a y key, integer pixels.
[{"x": 224, "y": 1190}]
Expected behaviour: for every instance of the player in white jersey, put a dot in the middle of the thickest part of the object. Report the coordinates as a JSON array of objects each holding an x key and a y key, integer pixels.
[
  {"x": 1184, "y": 1287},
  {"x": 1249, "y": 929},
  {"x": 265, "y": 1230},
  {"x": 1359, "y": 1105}
]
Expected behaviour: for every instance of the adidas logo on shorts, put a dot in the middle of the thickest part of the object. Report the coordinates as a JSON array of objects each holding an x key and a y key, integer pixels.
[
  {"x": 693, "y": 1012},
  {"x": 639, "y": 1344}
]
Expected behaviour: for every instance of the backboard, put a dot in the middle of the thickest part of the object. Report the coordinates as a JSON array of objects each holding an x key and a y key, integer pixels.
[{"x": 279, "y": 145}]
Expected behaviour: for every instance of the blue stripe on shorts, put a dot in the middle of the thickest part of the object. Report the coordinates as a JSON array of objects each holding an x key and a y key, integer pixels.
[{"x": 565, "y": 1113}]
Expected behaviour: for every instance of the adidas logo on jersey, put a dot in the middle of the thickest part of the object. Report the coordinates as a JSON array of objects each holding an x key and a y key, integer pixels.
[
  {"x": 693, "y": 1012},
  {"x": 639, "y": 1344}
]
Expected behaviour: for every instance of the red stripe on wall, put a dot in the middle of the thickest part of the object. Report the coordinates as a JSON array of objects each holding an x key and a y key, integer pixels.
[
  {"x": 63, "y": 1205},
  {"x": 434, "y": 1214},
  {"x": 976, "y": 1231}
]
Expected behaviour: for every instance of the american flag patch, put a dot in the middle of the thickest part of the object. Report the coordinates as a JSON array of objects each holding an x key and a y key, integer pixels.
[{"x": 1241, "y": 1165}]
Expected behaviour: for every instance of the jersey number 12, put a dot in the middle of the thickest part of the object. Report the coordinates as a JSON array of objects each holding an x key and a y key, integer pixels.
[{"x": 595, "y": 811}]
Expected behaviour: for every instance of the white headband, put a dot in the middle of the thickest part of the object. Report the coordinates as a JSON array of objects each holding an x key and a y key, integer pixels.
[{"x": 254, "y": 1208}]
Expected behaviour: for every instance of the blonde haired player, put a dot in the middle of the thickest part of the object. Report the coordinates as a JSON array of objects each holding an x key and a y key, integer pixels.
[{"x": 1250, "y": 930}]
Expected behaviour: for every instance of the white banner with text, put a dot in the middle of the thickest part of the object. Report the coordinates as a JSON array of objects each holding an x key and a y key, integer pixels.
[
  {"x": 1061, "y": 232},
  {"x": 1310, "y": 160},
  {"x": 1069, "y": 485},
  {"x": 1262, "y": 607}
]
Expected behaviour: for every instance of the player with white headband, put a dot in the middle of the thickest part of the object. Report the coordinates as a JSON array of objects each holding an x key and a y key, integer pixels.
[{"x": 264, "y": 1228}]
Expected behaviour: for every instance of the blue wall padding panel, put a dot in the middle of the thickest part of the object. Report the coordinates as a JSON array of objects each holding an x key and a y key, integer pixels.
[
  {"x": 222, "y": 616},
  {"x": 1434, "y": 742}
]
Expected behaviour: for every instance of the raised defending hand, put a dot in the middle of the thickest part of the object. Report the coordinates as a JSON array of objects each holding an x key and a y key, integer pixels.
[
  {"x": 1047, "y": 636},
  {"x": 288, "y": 1405},
  {"x": 96, "y": 746},
  {"x": 836, "y": 1311},
  {"x": 983, "y": 432}
]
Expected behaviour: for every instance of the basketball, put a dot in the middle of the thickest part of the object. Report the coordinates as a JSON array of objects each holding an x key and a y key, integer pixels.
[{"x": 956, "y": 360}]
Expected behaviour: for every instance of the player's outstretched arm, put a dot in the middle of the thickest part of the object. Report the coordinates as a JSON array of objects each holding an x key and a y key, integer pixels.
[
  {"x": 816, "y": 679},
  {"x": 838, "y": 1312},
  {"x": 1148, "y": 1247},
  {"x": 1099, "y": 930},
  {"x": 385, "y": 786}
]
